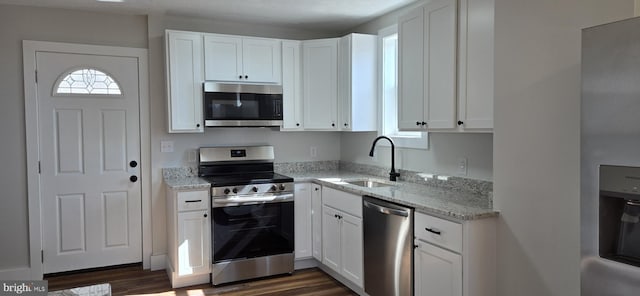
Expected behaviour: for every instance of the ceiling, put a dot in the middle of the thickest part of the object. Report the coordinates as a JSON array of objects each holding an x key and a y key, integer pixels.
[{"x": 304, "y": 14}]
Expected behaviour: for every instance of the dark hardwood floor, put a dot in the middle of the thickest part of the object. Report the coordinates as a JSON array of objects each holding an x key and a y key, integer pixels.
[{"x": 133, "y": 280}]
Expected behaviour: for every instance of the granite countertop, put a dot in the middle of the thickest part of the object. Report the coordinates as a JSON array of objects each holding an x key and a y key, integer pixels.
[
  {"x": 444, "y": 202},
  {"x": 431, "y": 200}
]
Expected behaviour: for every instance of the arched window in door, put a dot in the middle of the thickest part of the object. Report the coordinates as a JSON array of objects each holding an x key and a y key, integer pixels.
[{"x": 86, "y": 81}]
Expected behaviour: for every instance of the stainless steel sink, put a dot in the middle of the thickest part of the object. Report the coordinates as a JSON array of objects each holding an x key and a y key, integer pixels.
[{"x": 368, "y": 183}]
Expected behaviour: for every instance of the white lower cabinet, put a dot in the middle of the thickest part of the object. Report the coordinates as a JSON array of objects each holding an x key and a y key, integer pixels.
[
  {"x": 454, "y": 258},
  {"x": 316, "y": 221},
  {"x": 302, "y": 220},
  {"x": 437, "y": 271},
  {"x": 342, "y": 234},
  {"x": 189, "y": 237}
]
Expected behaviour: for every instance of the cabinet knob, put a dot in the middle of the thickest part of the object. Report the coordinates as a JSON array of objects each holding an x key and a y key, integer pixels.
[
  {"x": 316, "y": 189},
  {"x": 333, "y": 124},
  {"x": 417, "y": 122},
  {"x": 346, "y": 124},
  {"x": 246, "y": 76},
  {"x": 198, "y": 125},
  {"x": 424, "y": 123},
  {"x": 205, "y": 215},
  {"x": 460, "y": 122},
  {"x": 133, "y": 163},
  {"x": 297, "y": 124},
  {"x": 133, "y": 178},
  {"x": 240, "y": 77}
]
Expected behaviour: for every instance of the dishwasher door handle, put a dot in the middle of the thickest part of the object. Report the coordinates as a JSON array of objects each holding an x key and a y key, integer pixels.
[{"x": 386, "y": 210}]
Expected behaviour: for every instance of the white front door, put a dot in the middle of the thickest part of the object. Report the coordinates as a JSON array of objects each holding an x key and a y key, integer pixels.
[{"x": 89, "y": 145}]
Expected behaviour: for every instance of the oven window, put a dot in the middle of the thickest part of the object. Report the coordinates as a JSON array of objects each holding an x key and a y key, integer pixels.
[
  {"x": 237, "y": 106},
  {"x": 252, "y": 231}
]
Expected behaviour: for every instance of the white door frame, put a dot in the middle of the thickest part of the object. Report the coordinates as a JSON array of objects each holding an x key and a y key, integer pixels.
[{"x": 29, "y": 49}]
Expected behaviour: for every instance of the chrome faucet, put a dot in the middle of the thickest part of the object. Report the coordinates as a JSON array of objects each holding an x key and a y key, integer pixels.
[{"x": 392, "y": 175}]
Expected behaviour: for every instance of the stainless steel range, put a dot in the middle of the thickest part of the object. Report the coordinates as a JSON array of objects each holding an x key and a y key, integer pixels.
[{"x": 252, "y": 221}]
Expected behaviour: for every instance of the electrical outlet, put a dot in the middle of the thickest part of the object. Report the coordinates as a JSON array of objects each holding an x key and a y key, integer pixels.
[
  {"x": 313, "y": 151},
  {"x": 166, "y": 146},
  {"x": 462, "y": 166}
]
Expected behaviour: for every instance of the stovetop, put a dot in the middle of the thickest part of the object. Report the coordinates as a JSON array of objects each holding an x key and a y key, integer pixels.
[{"x": 247, "y": 179}]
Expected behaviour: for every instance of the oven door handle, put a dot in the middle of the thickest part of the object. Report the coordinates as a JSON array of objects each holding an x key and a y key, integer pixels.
[{"x": 271, "y": 198}]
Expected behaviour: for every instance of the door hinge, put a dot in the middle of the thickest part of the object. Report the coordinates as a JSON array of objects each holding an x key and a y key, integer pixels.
[
  {"x": 39, "y": 168},
  {"x": 36, "y": 76},
  {"x": 42, "y": 256}
]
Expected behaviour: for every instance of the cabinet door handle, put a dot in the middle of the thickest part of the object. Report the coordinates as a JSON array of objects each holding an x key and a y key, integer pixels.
[
  {"x": 195, "y": 200},
  {"x": 434, "y": 231}
]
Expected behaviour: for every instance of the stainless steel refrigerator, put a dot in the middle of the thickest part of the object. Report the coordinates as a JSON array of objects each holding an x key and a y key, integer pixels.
[{"x": 610, "y": 159}]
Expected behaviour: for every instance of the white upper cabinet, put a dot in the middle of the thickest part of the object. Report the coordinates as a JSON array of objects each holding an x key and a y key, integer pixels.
[
  {"x": 475, "y": 67},
  {"x": 427, "y": 62},
  {"x": 242, "y": 59},
  {"x": 446, "y": 67},
  {"x": 184, "y": 61},
  {"x": 320, "y": 91},
  {"x": 291, "y": 86},
  {"x": 357, "y": 82}
]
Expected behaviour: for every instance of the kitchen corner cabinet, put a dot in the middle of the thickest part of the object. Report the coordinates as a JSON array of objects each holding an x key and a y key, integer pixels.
[
  {"x": 357, "y": 82},
  {"x": 454, "y": 259},
  {"x": 242, "y": 59},
  {"x": 292, "y": 86},
  {"x": 184, "y": 61},
  {"x": 427, "y": 44},
  {"x": 320, "y": 91},
  {"x": 303, "y": 220},
  {"x": 342, "y": 240},
  {"x": 189, "y": 237}
]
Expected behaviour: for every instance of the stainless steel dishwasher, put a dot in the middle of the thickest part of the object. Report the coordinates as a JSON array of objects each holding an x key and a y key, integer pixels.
[{"x": 388, "y": 248}]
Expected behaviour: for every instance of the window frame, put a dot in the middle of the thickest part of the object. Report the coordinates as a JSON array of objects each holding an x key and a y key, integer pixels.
[{"x": 400, "y": 139}]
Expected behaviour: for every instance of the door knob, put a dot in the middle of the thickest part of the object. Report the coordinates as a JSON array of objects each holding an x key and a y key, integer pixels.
[
  {"x": 133, "y": 178},
  {"x": 133, "y": 163}
]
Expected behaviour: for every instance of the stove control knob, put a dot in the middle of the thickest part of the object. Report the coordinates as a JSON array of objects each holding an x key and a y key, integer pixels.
[
  {"x": 274, "y": 187},
  {"x": 254, "y": 189},
  {"x": 226, "y": 191},
  {"x": 235, "y": 190},
  {"x": 281, "y": 187}
]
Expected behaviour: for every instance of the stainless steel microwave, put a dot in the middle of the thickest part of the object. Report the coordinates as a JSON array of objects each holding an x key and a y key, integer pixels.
[{"x": 238, "y": 105}]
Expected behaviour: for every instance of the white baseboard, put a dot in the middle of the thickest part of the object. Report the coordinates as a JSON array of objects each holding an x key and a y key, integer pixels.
[
  {"x": 16, "y": 274},
  {"x": 158, "y": 262}
]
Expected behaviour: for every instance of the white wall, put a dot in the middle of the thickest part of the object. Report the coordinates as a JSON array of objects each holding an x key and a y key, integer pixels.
[
  {"x": 536, "y": 141},
  {"x": 441, "y": 158},
  {"x": 20, "y": 23},
  {"x": 288, "y": 146}
]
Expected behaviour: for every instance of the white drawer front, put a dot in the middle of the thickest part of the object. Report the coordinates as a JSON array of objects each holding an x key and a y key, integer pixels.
[
  {"x": 344, "y": 201},
  {"x": 439, "y": 232},
  {"x": 193, "y": 200}
]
